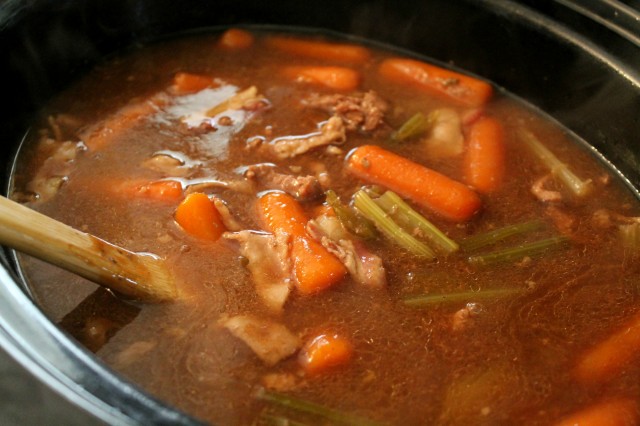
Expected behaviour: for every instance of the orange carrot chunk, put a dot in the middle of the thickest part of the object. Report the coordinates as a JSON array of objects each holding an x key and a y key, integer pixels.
[
  {"x": 163, "y": 190},
  {"x": 324, "y": 352},
  {"x": 184, "y": 83},
  {"x": 338, "y": 78},
  {"x": 609, "y": 357},
  {"x": 425, "y": 187},
  {"x": 320, "y": 49},
  {"x": 616, "y": 412},
  {"x": 451, "y": 85},
  {"x": 485, "y": 157},
  {"x": 314, "y": 268},
  {"x": 198, "y": 216},
  {"x": 235, "y": 38}
]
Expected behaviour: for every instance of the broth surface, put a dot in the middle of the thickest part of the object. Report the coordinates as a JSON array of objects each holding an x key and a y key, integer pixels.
[{"x": 510, "y": 362}]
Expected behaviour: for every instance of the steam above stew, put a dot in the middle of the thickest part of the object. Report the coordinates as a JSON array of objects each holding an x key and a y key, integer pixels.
[{"x": 359, "y": 238}]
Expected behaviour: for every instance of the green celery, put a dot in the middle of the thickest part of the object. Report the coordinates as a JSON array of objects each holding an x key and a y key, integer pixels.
[
  {"x": 558, "y": 168},
  {"x": 369, "y": 209},
  {"x": 412, "y": 221},
  {"x": 478, "y": 241},
  {"x": 443, "y": 298},
  {"x": 518, "y": 253}
]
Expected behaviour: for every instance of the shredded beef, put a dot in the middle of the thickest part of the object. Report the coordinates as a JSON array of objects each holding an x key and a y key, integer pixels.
[
  {"x": 333, "y": 131},
  {"x": 359, "y": 112},
  {"x": 269, "y": 264},
  {"x": 304, "y": 188}
]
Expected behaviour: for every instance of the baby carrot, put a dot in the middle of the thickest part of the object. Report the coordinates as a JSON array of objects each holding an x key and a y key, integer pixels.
[
  {"x": 314, "y": 268},
  {"x": 184, "y": 83},
  {"x": 484, "y": 160},
  {"x": 235, "y": 39},
  {"x": 338, "y": 78},
  {"x": 319, "y": 49},
  {"x": 325, "y": 351},
  {"x": 606, "y": 359},
  {"x": 449, "y": 84},
  {"x": 615, "y": 412},
  {"x": 198, "y": 216},
  {"x": 425, "y": 187}
]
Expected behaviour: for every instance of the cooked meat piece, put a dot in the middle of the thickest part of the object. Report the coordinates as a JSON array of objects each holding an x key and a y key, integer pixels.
[
  {"x": 269, "y": 340},
  {"x": 564, "y": 222},
  {"x": 364, "y": 267},
  {"x": 55, "y": 169},
  {"x": 607, "y": 219},
  {"x": 463, "y": 317},
  {"x": 228, "y": 219},
  {"x": 303, "y": 188},
  {"x": 269, "y": 264},
  {"x": 247, "y": 99},
  {"x": 170, "y": 164},
  {"x": 332, "y": 131},
  {"x": 281, "y": 382},
  {"x": 359, "y": 112},
  {"x": 542, "y": 194},
  {"x": 445, "y": 138}
]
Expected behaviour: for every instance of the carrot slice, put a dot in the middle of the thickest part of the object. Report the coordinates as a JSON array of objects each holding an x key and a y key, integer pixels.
[
  {"x": 235, "y": 39},
  {"x": 184, "y": 83},
  {"x": 426, "y": 187},
  {"x": 616, "y": 412},
  {"x": 451, "y": 85},
  {"x": 163, "y": 190},
  {"x": 609, "y": 357},
  {"x": 198, "y": 216},
  {"x": 324, "y": 352},
  {"x": 314, "y": 268},
  {"x": 319, "y": 49},
  {"x": 485, "y": 157},
  {"x": 338, "y": 78}
]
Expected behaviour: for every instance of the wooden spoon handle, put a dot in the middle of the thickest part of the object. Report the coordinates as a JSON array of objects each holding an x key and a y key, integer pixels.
[{"x": 140, "y": 275}]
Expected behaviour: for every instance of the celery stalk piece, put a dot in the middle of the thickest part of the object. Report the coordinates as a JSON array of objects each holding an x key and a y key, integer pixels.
[
  {"x": 414, "y": 126},
  {"x": 369, "y": 209},
  {"x": 413, "y": 222},
  {"x": 466, "y": 296},
  {"x": 308, "y": 407},
  {"x": 558, "y": 168},
  {"x": 518, "y": 253},
  {"x": 350, "y": 219},
  {"x": 630, "y": 235},
  {"x": 478, "y": 241}
]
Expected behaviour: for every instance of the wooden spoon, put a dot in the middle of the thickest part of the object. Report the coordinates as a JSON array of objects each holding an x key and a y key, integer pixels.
[{"x": 140, "y": 275}]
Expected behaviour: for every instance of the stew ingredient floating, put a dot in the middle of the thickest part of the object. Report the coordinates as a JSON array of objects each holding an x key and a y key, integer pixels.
[{"x": 360, "y": 238}]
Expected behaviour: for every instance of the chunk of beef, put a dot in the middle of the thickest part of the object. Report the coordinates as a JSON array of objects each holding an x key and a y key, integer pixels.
[
  {"x": 332, "y": 131},
  {"x": 445, "y": 138},
  {"x": 541, "y": 193},
  {"x": 364, "y": 267},
  {"x": 271, "y": 341},
  {"x": 303, "y": 188},
  {"x": 269, "y": 264},
  {"x": 359, "y": 112}
]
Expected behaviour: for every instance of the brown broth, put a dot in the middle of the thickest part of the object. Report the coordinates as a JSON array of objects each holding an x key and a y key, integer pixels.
[{"x": 509, "y": 366}]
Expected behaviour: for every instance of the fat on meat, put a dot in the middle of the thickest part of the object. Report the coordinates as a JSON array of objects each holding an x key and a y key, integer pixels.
[
  {"x": 332, "y": 131},
  {"x": 269, "y": 340},
  {"x": 303, "y": 188},
  {"x": 269, "y": 264},
  {"x": 364, "y": 267},
  {"x": 359, "y": 112}
]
